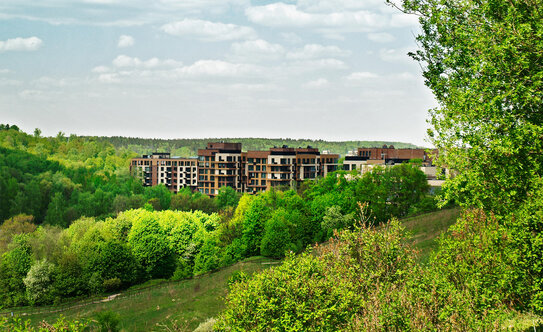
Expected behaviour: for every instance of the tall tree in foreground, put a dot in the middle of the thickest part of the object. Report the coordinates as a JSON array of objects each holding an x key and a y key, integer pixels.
[{"x": 484, "y": 62}]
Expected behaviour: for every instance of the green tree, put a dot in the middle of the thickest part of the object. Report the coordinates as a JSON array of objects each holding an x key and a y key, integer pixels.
[
  {"x": 14, "y": 266},
  {"x": 253, "y": 225},
  {"x": 227, "y": 197},
  {"x": 55, "y": 211},
  {"x": 276, "y": 239},
  {"x": 150, "y": 246},
  {"x": 39, "y": 282},
  {"x": 484, "y": 62}
]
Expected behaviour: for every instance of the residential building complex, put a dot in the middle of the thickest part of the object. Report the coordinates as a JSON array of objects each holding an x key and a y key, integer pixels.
[{"x": 224, "y": 164}]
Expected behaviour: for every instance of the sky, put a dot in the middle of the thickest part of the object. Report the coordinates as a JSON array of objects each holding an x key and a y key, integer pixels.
[{"x": 319, "y": 69}]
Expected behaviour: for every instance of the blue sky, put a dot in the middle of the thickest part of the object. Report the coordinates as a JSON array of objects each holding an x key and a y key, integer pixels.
[{"x": 323, "y": 69}]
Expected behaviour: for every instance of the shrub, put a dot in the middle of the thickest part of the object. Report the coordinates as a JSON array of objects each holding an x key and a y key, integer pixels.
[
  {"x": 108, "y": 321},
  {"x": 366, "y": 279},
  {"x": 112, "y": 284}
]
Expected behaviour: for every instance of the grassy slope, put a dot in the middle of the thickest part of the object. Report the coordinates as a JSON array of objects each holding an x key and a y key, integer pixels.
[
  {"x": 185, "y": 304},
  {"x": 425, "y": 229},
  {"x": 188, "y": 303}
]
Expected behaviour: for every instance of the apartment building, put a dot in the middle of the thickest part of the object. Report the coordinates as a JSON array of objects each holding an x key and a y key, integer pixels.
[
  {"x": 255, "y": 171},
  {"x": 174, "y": 172},
  {"x": 219, "y": 164},
  {"x": 224, "y": 164}
]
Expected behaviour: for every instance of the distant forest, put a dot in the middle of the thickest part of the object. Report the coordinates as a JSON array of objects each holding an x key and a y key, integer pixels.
[{"x": 189, "y": 147}]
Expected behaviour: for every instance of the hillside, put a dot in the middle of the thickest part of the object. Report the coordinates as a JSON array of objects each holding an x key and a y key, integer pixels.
[
  {"x": 186, "y": 304},
  {"x": 189, "y": 146}
]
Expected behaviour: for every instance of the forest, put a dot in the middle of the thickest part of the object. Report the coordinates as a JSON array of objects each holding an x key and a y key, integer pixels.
[
  {"x": 76, "y": 223},
  {"x": 189, "y": 147}
]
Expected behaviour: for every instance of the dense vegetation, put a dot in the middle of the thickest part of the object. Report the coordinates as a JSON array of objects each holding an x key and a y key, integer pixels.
[
  {"x": 189, "y": 147},
  {"x": 65, "y": 233},
  {"x": 483, "y": 61}
]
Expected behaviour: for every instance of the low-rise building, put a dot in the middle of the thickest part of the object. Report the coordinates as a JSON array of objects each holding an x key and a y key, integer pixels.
[{"x": 391, "y": 155}]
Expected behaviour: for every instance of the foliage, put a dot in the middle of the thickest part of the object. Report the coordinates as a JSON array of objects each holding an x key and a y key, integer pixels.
[
  {"x": 61, "y": 325},
  {"x": 277, "y": 235},
  {"x": 335, "y": 220},
  {"x": 150, "y": 246},
  {"x": 366, "y": 279},
  {"x": 483, "y": 61},
  {"x": 14, "y": 266},
  {"x": 18, "y": 224},
  {"x": 227, "y": 197},
  {"x": 39, "y": 282},
  {"x": 108, "y": 321}
]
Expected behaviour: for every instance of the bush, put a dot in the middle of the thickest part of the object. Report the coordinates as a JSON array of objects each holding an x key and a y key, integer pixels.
[
  {"x": 108, "y": 321},
  {"x": 366, "y": 279},
  {"x": 112, "y": 284}
]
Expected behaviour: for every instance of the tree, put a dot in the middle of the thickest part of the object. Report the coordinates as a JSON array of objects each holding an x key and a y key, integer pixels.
[
  {"x": 227, "y": 197},
  {"x": 484, "y": 62},
  {"x": 276, "y": 239},
  {"x": 39, "y": 282},
  {"x": 37, "y": 132},
  {"x": 150, "y": 246},
  {"x": 55, "y": 211}
]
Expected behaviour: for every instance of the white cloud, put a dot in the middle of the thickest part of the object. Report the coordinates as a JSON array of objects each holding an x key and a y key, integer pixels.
[
  {"x": 100, "y": 69},
  {"x": 209, "y": 31},
  {"x": 317, "y": 84},
  {"x": 334, "y": 5},
  {"x": 256, "y": 50},
  {"x": 5, "y": 71},
  {"x": 315, "y": 51},
  {"x": 360, "y": 76},
  {"x": 114, "y": 12},
  {"x": 125, "y": 41},
  {"x": 381, "y": 37},
  {"x": 126, "y": 61},
  {"x": 21, "y": 44},
  {"x": 285, "y": 15},
  {"x": 217, "y": 68}
]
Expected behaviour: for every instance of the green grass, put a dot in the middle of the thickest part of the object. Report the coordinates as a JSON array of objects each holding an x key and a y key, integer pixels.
[
  {"x": 177, "y": 306},
  {"x": 425, "y": 229}
]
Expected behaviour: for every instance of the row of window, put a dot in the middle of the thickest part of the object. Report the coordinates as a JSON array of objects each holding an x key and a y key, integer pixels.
[
  {"x": 255, "y": 175},
  {"x": 257, "y": 168}
]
